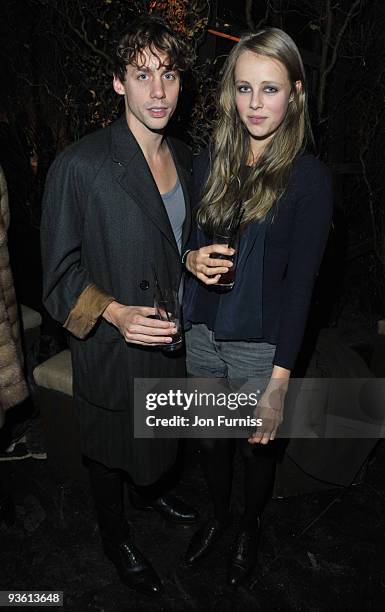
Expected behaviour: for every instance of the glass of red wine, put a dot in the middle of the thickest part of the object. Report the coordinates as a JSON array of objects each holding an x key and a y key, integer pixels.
[{"x": 227, "y": 238}]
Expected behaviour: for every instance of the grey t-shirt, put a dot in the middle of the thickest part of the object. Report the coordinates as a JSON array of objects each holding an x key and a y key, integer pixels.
[{"x": 176, "y": 209}]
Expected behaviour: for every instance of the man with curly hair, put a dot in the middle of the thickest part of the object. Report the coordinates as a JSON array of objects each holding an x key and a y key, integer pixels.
[{"x": 116, "y": 207}]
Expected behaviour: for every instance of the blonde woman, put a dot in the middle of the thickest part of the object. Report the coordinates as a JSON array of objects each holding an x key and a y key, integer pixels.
[{"x": 256, "y": 160}]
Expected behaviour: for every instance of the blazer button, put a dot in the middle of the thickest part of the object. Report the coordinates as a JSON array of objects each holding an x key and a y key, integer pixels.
[{"x": 144, "y": 284}]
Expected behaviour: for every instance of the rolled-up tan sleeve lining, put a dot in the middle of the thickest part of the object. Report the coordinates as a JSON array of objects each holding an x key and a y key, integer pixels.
[{"x": 90, "y": 304}]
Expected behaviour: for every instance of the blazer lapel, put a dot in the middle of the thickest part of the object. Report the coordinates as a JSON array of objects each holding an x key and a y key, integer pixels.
[{"x": 134, "y": 176}]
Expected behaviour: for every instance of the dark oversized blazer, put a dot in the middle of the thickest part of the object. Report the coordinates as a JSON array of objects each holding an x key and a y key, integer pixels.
[
  {"x": 104, "y": 225},
  {"x": 294, "y": 243}
]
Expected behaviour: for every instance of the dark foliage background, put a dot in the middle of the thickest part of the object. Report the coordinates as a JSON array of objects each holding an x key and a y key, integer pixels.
[{"x": 55, "y": 84}]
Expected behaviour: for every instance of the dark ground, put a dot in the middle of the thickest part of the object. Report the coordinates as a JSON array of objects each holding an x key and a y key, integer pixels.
[{"x": 338, "y": 564}]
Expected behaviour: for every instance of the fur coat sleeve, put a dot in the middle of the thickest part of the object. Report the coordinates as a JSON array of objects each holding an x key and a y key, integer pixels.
[{"x": 13, "y": 388}]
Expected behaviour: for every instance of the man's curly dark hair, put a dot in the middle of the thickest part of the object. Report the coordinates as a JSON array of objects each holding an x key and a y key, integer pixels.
[{"x": 154, "y": 34}]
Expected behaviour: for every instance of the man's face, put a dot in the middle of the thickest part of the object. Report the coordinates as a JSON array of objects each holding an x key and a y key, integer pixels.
[{"x": 151, "y": 92}]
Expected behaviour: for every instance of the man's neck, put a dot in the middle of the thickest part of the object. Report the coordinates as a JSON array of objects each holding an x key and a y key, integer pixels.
[{"x": 150, "y": 142}]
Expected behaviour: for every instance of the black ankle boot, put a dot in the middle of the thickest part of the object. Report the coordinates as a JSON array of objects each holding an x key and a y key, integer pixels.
[
  {"x": 204, "y": 539},
  {"x": 244, "y": 556},
  {"x": 173, "y": 509},
  {"x": 133, "y": 568}
]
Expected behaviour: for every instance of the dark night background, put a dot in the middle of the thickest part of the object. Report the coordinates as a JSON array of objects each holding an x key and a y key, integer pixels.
[{"x": 55, "y": 86}]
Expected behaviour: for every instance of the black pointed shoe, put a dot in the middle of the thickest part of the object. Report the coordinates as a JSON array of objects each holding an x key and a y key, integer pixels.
[
  {"x": 170, "y": 507},
  {"x": 203, "y": 540},
  {"x": 244, "y": 557},
  {"x": 133, "y": 568}
]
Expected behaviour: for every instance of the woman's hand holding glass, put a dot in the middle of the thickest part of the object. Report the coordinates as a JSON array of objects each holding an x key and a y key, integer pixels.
[
  {"x": 270, "y": 410},
  {"x": 207, "y": 269}
]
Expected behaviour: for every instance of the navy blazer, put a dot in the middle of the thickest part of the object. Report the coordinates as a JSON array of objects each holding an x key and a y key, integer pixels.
[{"x": 294, "y": 243}]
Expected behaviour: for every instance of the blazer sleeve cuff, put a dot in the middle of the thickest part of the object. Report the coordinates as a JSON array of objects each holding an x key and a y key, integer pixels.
[{"x": 89, "y": 306}]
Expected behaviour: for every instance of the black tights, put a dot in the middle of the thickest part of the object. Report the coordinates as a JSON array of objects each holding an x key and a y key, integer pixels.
[{"x": 259, "y": 462}]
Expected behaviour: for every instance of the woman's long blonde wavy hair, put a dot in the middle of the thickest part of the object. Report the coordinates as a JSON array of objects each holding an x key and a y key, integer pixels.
[{"x": 230, "y": 148}]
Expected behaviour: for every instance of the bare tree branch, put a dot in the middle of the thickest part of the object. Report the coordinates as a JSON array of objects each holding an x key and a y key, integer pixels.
[
  {"x": 327, "y": 67},
  {"x": 324, "y": 57},
  {"x": 265, "y": 17},
  {"x": 249, "y": 14},
  {"x": 350, "y": 15},
  {"x": 82, "y": 35}
]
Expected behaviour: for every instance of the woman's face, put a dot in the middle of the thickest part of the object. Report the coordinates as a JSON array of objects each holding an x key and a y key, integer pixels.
[{"x": 263, "y": 93}]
